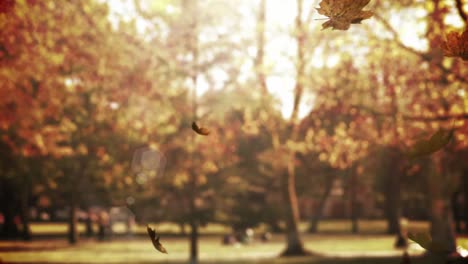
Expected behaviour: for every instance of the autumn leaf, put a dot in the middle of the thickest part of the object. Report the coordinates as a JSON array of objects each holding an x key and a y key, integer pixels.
[
  {"x": 343, "y": 13},
  {"x": 200, "y": 130},
  {"x": 456, "y": 45},
  {"x": 425, "y": 241},
  {"x": 157, "y": 245},
  {"x": 435, "y": 143},
  {"x": 6, "y": 6}
]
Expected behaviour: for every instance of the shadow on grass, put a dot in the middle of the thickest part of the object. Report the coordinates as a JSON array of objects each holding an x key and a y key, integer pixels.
[
  {"x": 282, "y": 260},
  {"x": 28, "y": 248}
]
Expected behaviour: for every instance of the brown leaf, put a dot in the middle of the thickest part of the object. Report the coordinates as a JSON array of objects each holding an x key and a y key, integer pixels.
[
  {"x": 435, "y": 143},
  {"x": 343, "y": 13},
  {"x": 425, "y": 241},
  {"x": 456, "y": 45},
  {"x": 200, "y": 130},
  {"x": 157, "y": 245}
]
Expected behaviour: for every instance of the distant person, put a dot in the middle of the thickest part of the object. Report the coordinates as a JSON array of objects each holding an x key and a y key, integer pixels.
[
  {"x": 110, "y": 223},
  {"x": 265, "y": 237},
  {"x": 240, "y": 236},
  {"x": 130, "y": 225},
  {"x": 249, "y": 235},
  {"x": 89, "y": 224},
  {"x": 402, "y": 237},
  {"x": 245, "y": 236},
  {"x": 229, "y": 239},
  {"x": 103, "y": 222}
]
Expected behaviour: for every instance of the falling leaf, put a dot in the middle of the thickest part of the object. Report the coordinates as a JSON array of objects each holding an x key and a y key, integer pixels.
[
  {"x": 343, "y": 13},
  {"x": 435, "y": 143},
  {"x": 157, "y": 245},
  {"x": 200, "y": 130},
  {"x": 456, "y": 45},
  {"x": 425, "y": 241}
]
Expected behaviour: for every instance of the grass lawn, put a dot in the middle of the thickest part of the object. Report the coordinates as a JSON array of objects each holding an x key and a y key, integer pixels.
[
  {"x": 325, "y": 227},
  {"x": 333, "y": 244},
  {"x": 350, "y": 249},
  {"x": 61, "y": 228},
  {"x": 365, "y": 226}
]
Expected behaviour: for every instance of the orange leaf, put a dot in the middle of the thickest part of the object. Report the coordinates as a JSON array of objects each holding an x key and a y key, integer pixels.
[
  {"x": 456, "y": 45},
  {"x": 200, "y": 130},
  {"x": 343, "y": 13}
]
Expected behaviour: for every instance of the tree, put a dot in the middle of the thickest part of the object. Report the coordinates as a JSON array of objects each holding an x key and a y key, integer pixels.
[
  {"x": 64, "y": 110},
  {"x": 197, "y": 51},
  {"x": 294, "y": 243},
  {"x": 389, "y": 105}
]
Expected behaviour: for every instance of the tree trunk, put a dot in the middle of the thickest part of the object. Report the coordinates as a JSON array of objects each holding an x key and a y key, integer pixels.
[
  {"x": 294, "y": 243},
  {"x": 261, "y": 76},
  {"x": 26, "y": 232},
  {"x": 259, "y": 58},
  {"x": 191, "y": 6},
  {"x": 313, "y": 228},
  {"x": 89, "y": 226},
  {"x": 10, "y": 229},
  {"x": 353, "y": 200},
  {"x": 72, "y": 222},
  {"x": 392, "y": 195},
  {"x": 193, "y": 241},
  {"x": 89, "y": 220},
  {"x": 457, "y": 217},
  {"x": 392, "y": 192},
  {"x": 393, "y": 198},
  {"x": 75, "y": 174},
  {"x": 72, "y": 214},
  {"x": 182, "y": 228},
  {"x": 465, "y": 199}
]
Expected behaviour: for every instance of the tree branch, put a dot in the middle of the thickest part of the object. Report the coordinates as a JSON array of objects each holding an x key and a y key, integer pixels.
[
  {"x": 422, "y": 118},
  {"x": 461, "y": 12},
  {"x": 300, "y": 66},
  {"x": 436, "y": 118},
  {"x": 397, "y": 39},
  {"x": 425, "y": 56},
  {"x": 147, "y": 15}
]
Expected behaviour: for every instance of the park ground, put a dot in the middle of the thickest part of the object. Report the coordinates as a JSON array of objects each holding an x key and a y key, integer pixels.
[{"x": 329, "y": 246}]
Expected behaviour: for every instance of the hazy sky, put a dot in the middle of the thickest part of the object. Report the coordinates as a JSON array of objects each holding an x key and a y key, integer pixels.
[{"x": 281, "y": 47}]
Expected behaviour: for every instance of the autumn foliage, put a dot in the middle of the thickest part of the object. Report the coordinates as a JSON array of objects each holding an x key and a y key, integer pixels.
[
  {"x": 84, "y": 86},
  {"x": 456, "y": 45}
]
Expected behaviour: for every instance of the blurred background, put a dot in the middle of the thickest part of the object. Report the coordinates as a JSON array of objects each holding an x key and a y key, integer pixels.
[{"x": 309, "y": 131}]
